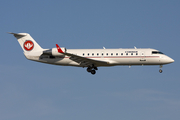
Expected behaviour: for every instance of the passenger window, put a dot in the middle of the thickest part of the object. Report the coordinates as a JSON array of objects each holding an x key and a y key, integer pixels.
[
  {"x": 88, "y": 54},
  {"x": 131, "y": 53},
  {"x": 116, "y": 53},
  {"x": 92, "y": 54},
  {"x": 111, "y": 53},
  {"x": 102, "y": 54},
  {"x": 83, "y": 54},
  {"x": 121, "y": 53},
  {"x": 97, "y": 54},
  {"x": 126, "y": 53},
  {"x": 106, "y": 53},
  {"x": 136, "y": 53}
]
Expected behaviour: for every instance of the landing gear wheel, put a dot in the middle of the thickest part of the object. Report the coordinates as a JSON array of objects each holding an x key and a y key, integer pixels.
[
  {"x": 93, "y": 72},
  {"x": 89, "y": 69},
  {"x": 92, "y": 69},
  {"x": 160, "y": 71},
  {"x": 95, "y": 68}
]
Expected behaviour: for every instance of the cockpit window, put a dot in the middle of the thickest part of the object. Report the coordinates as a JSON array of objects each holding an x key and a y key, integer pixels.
[{"x": 157, "y": 52}]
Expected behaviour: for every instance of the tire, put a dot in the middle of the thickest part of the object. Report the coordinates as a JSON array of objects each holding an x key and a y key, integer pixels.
[
  {"x": 93, "y": 72},
  {"x": 89, "y": 69}
]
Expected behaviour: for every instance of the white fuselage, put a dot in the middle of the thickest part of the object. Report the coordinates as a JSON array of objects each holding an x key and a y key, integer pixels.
[{"x": 111, "y": 56}]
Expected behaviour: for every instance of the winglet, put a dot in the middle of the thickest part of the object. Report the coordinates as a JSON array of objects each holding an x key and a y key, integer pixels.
[{"x": 59, "y": 49}]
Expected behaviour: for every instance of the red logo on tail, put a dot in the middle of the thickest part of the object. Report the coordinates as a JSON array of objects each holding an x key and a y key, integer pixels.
[{"x": 28, "y": 45}]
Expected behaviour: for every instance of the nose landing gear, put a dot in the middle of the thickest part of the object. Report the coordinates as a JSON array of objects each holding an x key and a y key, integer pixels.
[{"x": 160, "y": 69}]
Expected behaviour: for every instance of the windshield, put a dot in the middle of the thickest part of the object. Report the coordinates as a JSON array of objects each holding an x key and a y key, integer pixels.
[{"x": 157, "y": 52}]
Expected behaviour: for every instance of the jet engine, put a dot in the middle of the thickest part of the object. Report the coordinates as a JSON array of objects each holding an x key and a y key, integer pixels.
[{"x": 54, "y": 52}]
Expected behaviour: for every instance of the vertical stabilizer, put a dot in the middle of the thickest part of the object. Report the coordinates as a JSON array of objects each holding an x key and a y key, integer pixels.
[{"x": 27, "y": 43}]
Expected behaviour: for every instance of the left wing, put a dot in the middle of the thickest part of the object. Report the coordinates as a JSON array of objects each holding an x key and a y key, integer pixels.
[{"x": 83, "y": 61}]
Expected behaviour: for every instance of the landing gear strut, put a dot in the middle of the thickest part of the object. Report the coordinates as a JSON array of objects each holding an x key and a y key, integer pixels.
[
  {"x": 160, "y": 69},
  {"x": 92, "y": 69}
]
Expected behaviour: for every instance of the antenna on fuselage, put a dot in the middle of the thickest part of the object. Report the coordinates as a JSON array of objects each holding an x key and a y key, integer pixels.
[
  {"x": 104, "y": 48},
  {"x": 135, "y": 47}
]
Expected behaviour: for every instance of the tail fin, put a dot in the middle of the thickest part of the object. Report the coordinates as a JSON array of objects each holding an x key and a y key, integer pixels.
[{"x": 27, "y": 43}]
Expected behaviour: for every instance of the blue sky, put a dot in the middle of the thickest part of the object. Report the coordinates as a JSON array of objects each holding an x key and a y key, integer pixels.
[{"x": 31, "y": 90}]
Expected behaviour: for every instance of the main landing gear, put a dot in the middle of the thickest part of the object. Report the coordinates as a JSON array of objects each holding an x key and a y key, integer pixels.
[
  {"x": 160, "y": 70},
  {"x": 92, "y": 69}
]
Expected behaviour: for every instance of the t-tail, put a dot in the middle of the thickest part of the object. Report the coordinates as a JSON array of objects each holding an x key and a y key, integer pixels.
[{"x": 32, "y": 50}]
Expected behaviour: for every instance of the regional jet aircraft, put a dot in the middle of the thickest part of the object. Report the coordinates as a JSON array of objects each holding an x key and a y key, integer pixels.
[{"x": 90, "y": 58}]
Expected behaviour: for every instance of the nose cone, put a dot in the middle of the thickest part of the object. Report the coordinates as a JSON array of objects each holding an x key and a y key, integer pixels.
[
  {"x": 166, "y": 60},
  {"x": 170, "y": 60}
]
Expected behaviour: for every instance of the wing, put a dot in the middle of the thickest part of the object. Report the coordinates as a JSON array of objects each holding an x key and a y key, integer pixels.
[{"x": 83, "y": 61}]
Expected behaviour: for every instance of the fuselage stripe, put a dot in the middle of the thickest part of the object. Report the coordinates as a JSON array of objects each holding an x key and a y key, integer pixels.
[{"x": 121, "y": 57}]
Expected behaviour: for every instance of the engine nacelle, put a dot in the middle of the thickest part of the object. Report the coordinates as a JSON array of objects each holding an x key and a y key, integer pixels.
[{"x": 54, "y": 52}]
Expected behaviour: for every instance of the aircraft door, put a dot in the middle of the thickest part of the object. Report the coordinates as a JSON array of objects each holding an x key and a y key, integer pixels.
[{"x": 143, "y": 57}]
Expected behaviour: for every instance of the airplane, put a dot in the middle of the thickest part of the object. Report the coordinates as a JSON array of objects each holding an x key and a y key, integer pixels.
[{"x": 90, "y": 58}]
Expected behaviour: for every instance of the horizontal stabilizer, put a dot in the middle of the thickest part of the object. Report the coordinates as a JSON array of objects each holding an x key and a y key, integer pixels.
[{"x": 18, "y": 34}]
